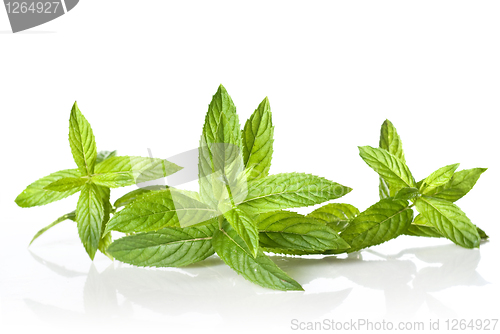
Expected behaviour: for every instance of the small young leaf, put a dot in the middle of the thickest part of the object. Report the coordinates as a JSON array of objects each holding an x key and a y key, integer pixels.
[
  {"x": 158, "y": 209},
  {"x": 260, "y": 270},
  {"x": 381, "y": 222},
  {"x": 459, "y": 185},
  {"x": 104, "y": 155},
  {"x": 258, "y": 141},
  {"x": 82, "y": 142},
  {"x": 245, "y": 227},
  {"x": 89, "y": 217},
  {"x": 391, "y": 142},
  {"x": 68, "y": 216},
  {"x": 66, "y": 183},
  {"x": 35, "y": 194},
  {"x": 438, "y": 178},
  {"x": 393, "y": 170},
  {"x": 290, "y": 190},
  {"x": 168, "y": 247},
  {"x": 125, "y": 171},
  {"x": 407, "y": 193},
  {"x": 336, "y": 215},
  {"x": 449, "y": 221},
  {"x": 290, "y": 230}
]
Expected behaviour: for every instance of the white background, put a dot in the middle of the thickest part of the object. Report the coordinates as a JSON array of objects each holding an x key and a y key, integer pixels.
[{"x": 143, "y": 73}]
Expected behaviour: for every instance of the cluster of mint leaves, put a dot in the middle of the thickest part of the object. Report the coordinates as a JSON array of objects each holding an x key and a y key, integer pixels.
[{"x": 239, "y": 211}]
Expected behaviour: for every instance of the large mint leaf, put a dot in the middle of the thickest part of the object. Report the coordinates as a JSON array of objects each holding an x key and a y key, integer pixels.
[
  {"x": 82, "y": 142},
  {"x": 381, "y": 222},
  {"x": 260, "y": 270},
  {"x": 335, "y": 215},
  {"x": 66, "y": 183},
  {"x": 290, "y": 230},
  {"x": 245, "y": 227},
  {"x": 168, "y": 247},
  {"x": 459, "y": 185},
  {"x": 290, "y": 190},
  {"x": 449, "y": 221},
  {"x": 158, "y": 209},
  {"x": 390, "y": 168},
  {"x": 68, "y": 216},
  {"x": 125, "y": 171},
  {"x": 35, "y": 194},
  {"x": 89, "y": 217},
  {"x": 438, "y": 178},
  {"x": 134, "y": 194},
  {"x": 258, "y": 140},
  {"x": 391, "y": 142}
]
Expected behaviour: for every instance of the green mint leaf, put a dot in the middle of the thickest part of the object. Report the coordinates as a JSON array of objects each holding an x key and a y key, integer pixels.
[
  {"x": 449, "y": 220},
  {"x": 336, "y": 215},
  {"x": 104, "y": 243},
  {"x": 289, "y": 190},
  {"x": 407, "y": 193},
  {"x": 391, "y": 142},
  {"x": 89, "y": 217},
  {"x": 134, "y": 194},
  {"x": 290, "y": 230},
  {"x": 421, "y": 227},
  {"x": 482, "y": 234},
  {"x": 68, "y": 216},
  {"x": 35, "y": 194},
  {"x": 168, "y": 247},
  {"x": 260, "y": 270},
  {"x": 222, "y": 105},
  {"x": 245, "y": 227},
  {"x": 459, "y": 185},
  {"x": 125, "y": 171},
  {"x": 103, "y": 155},
  {"x": 381, "y": 222},
  {"x": 158, "y": 209},
  {"x": 258, "y": 141},
  {"x": 438, "y": 178},
  {"x": 390, "y": 168},
  {"x": 82, "y": 142},
  {"x": 66, "y": 183}
]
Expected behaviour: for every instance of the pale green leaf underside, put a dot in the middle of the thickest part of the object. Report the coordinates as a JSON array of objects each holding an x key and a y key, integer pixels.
[
  {"x": 168, "y": 247},
  {"x": 35, "y": 194},
  {"x": 394, "y": 171},
  {"x": 245, "y": 227},
  {"x": 438, "y": 178},
  {"x": 459, "y": 185},
  {"x": 449, "y": 221},
  {"x": 335, "y": 215},
  {"x": 258, "y": 140},
  {"x": 158, "y": 209},
  {"x": 420, "y": 227},
  {"x": 260, "y": 270},
  {"x": 89, "y": 218},
  {"x": 381, "y": 222},
  {"x": 290, "y": 190},
  {"x": 82, "y": 142},
  {"x": 290, "y": 230}
]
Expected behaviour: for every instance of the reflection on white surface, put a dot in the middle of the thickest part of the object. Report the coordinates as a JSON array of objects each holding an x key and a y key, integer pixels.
[{"x": 373, "y": 283}]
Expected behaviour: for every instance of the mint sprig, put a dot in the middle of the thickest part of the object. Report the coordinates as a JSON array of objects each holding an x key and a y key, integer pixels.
[
  {"x": 95, "y": 175},
  {"x": 239, "y": 211}
]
